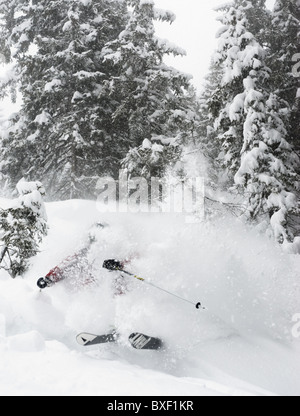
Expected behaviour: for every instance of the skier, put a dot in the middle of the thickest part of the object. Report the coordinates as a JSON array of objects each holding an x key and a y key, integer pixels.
[
  {"x": 79, "y": 266},
  {"x": 58, "y": 273}
]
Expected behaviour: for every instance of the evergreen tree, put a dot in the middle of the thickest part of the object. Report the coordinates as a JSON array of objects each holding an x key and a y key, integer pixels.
[
  {"x": 238, "y": 53},
  {"x": 63, "y": 133},
  {"x": 284, "y": 45},
  {"x": 9, "y": 9},
  {"x": 250, "y": 119},
  {"x": 267, "y": 174},
  {"x": 210, "y": 103},
  {"x": 153, "y": 98},
  {"x": 22, "y": 228},
  {"x": 152, "y": 158}
]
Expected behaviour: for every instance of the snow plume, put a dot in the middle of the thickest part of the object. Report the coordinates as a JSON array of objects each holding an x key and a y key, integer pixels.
[{"x": 241, "y": 344}]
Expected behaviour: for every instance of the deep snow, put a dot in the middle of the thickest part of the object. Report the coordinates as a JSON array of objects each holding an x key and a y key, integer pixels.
[{"x": 242, "y": 344}]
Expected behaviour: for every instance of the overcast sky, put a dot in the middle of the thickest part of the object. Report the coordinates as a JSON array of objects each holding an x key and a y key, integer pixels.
[{"x": 195, "y": 31}]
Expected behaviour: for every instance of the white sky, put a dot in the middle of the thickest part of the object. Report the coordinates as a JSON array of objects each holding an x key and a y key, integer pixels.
[{"x": 195, "y": 31}]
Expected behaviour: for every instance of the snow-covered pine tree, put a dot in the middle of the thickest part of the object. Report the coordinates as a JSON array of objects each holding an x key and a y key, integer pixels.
[
  {"x": 22, "y": 228},
  {"x": 250, "y": 121},
  {"x": 63, "y": 132},
  {"x": 8, "y": 9},
  {"x": 267, "y": 174},
  {"x": 153, "y": 98},
  {"x": 238, "y": 53},
  {"x": 284, "y": 44},
  {"x": 284, "y": 47},
  {"x": 210, "y": 103},
  {"x": 152, "y": 158}
]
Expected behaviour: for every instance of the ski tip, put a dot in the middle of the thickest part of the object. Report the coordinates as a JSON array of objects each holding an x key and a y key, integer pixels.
[
  {"x": 80, "y": 340},
  {"x": 85, "y": 339}
]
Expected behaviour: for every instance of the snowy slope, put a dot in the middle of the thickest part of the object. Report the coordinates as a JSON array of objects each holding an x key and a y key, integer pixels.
[{"x": 241, "y": 344}]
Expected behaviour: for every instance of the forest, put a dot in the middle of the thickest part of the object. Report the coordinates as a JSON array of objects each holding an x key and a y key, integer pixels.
[{"x": 98, "y": 97}]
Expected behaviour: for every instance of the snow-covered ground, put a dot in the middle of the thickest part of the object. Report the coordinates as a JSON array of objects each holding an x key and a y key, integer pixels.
[{"x": 242, "y": 344}]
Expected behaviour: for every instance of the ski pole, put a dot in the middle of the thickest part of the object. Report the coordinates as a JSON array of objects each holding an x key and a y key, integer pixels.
[{"x": 114, "y": 265}]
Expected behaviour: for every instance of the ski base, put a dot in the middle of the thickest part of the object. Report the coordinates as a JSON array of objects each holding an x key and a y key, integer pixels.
[{"x": 137, "y": 340}]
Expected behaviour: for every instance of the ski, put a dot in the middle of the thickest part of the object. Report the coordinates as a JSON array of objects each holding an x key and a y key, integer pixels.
[
  {"x": 86, "y": 339},
  {"x": 145, "y": 342},
  {"x": 137, "y": 340}
]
